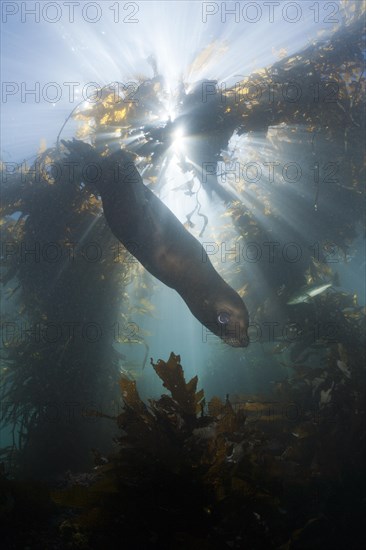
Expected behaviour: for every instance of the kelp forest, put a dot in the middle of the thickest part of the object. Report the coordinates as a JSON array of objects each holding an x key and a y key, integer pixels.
[{"x": 91, "y": 464}]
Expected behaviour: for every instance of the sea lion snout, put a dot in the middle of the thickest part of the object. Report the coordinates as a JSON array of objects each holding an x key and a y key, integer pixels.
[{"x": 237, "y": 337}]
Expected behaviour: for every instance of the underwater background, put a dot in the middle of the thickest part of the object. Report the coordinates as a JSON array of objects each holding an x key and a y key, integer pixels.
[{"x": 124, "y": 421}]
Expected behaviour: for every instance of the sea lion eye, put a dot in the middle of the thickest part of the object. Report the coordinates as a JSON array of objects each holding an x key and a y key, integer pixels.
[{"x": 223, "y": 317}]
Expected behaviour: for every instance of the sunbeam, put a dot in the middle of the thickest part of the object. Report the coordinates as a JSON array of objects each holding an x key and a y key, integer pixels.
[{"x": 80, "y": 56}]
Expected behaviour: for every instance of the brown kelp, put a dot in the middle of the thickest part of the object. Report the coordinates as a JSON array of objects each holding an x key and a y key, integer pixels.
[
  {"x": 66, "y": 276},
  {"x": 262, "y": 474}
]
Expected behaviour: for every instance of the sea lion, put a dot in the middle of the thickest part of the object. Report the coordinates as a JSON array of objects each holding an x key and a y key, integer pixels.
[{"x": 157, "y": 239}]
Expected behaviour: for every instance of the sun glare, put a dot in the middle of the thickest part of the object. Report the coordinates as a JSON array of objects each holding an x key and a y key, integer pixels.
[{"x": 178, "y": 139}]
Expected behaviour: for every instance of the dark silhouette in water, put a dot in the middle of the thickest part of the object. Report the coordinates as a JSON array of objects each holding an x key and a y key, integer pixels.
[{"x": 152, "y": 233}]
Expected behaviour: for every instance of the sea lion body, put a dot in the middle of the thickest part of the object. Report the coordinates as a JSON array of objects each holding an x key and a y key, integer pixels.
[{"x": 157, "y": 239}]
